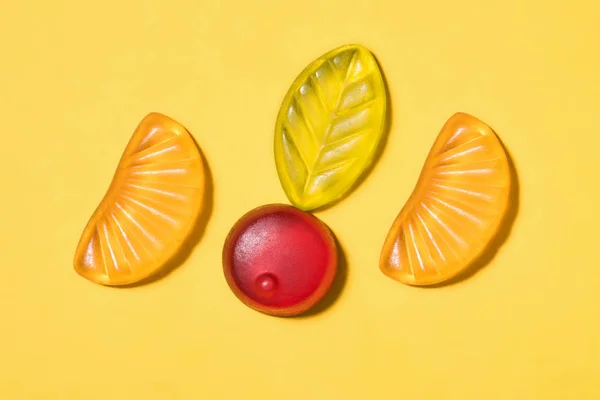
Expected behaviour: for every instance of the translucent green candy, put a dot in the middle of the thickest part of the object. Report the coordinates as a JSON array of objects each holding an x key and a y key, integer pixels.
[{"x": 329, "y": 126}]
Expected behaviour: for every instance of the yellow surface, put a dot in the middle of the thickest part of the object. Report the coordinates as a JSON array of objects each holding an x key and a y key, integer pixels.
[{"x": 76, "y": 77}]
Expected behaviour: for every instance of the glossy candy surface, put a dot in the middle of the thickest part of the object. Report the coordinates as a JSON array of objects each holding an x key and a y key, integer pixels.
[
  {"x": 329, "y": 126},
  {"x": 279, "y": 260},
  {"x": 455, "y": 209},
  {"x": 149, "y": 209}
]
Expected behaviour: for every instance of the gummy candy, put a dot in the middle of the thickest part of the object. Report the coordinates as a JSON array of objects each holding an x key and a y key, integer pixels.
[
  {"x": 455, "y": 209},
  {"x": 279, "y": 260},
  {"x": 151, "y": 206},
  {"x": 329, "y": 126}
]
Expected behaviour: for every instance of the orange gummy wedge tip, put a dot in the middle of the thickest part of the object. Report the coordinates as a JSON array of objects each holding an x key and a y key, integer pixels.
[
  {"x": 456, "y": 208},
  {"x": 150, "y": 208}
]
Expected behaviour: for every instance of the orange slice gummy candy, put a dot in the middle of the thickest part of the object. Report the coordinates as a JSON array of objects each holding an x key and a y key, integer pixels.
[
  {"x": 151, "y": 206},
  {"x": 456, "y": 208}
]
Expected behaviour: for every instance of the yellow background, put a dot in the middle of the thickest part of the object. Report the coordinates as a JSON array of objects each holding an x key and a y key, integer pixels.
[{"x": 75, "y": 79}]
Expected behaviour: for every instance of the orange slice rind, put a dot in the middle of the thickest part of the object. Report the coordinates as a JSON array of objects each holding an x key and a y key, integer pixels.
[
  {"x": 150, "y": 208},
  {"x": 456, "y": 208}
]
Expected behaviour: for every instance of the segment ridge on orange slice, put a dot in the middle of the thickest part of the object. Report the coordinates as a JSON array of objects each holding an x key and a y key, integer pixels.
[
  {"x": 456, "y": 208},
  {"x": 150, "y": 208}
]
